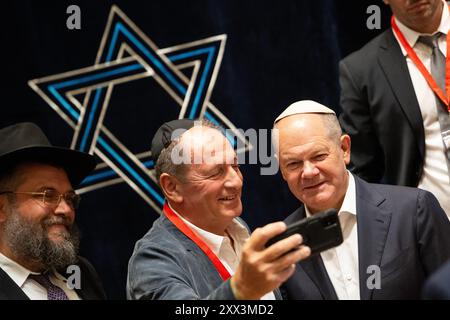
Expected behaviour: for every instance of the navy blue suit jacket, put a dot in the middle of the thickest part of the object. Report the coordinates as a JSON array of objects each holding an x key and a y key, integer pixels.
[{"x": 402, "y": 230}]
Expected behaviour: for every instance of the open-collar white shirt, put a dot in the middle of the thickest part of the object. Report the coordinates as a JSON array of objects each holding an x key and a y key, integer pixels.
[
  {"x": 227, "y": 248},
  {"x": 341, "y": 262}
]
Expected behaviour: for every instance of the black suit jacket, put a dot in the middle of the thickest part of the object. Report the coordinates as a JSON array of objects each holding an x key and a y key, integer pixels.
[
  {"x": 402, "y": 230},
  {"x": 381, "y": 114},
  {"x": 91, "y": 287},
  {"x": 438, "y": 285}
]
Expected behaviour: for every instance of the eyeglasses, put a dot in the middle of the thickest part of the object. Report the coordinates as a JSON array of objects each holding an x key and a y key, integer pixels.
[{"x": 52, "y": 198}]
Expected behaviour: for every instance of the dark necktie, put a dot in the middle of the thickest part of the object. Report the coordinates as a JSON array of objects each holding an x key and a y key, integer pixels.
[
  {"x": 53, "y": 292},
  {"x": 438, "y": 73}
]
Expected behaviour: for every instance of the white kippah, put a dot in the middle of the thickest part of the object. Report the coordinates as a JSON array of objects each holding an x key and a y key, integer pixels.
[{"x": 304, "y": 106}]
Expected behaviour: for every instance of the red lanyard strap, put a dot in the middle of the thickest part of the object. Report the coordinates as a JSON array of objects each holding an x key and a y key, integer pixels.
[
  {"x": 175, "y": 219},
  {"x": 425, "y": 73}
]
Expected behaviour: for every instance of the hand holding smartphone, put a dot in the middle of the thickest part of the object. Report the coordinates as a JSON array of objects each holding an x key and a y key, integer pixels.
[{"x": 320, "y": 232}]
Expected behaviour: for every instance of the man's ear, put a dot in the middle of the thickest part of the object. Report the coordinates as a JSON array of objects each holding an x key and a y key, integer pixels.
[
  {"x": 345, "y": 147},
  {"x": 171, "y": 188}
]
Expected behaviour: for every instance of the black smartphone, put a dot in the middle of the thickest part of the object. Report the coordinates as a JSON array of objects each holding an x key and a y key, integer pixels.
[{"x": 320, "y": 232}]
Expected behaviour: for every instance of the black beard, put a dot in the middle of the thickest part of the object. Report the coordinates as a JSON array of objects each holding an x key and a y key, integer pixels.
[{"x": 29, "y": 240}]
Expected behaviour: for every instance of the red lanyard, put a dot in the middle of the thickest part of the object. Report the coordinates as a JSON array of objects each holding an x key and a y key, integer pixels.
[
  {"x": 426, "y": 74},
  {"x": 172, "y": 216}
]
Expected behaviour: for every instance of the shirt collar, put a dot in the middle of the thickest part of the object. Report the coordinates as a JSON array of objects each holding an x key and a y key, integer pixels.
[
  {"x": 20, "y": 274},
  {"x": 15, "y": 271},
  {"x": 349, "y": 203},
  {"x": 411, "y": 35},
  {"x": 213, "y": 241}
]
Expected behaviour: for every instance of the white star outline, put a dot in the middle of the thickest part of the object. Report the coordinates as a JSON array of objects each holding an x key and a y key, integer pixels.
[{"x": 104, "y": 74}]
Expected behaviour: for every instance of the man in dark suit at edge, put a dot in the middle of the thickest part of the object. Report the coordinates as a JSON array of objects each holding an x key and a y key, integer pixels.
[{"x": 394, "y": 101}]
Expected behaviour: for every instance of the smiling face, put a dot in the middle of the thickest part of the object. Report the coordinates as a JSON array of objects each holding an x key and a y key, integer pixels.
[
  {"x": 313, "y": 163},
  {"x": 38, "y": 178},
  {"x": 209, "y": 194},
  {"x": 33, "y": 233},
  {"x": 419, "y": 15}
]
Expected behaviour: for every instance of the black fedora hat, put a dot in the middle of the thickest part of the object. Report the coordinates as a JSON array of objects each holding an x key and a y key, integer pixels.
[{"x": 25, "y": 142}]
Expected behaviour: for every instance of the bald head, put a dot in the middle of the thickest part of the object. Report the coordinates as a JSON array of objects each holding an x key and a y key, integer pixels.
[{"x": 202, "y": 144}]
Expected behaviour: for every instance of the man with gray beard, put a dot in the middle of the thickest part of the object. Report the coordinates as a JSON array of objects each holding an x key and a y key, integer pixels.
[
  {"x": 37, "y": 245},
  {"x": 38, "y": 237}
]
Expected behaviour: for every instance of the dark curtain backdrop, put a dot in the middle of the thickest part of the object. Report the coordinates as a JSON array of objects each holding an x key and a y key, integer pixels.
[{"x": 276, "y": 52}]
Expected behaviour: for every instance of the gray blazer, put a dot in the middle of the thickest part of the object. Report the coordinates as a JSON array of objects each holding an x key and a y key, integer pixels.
[{"x": 167, "y": 265}]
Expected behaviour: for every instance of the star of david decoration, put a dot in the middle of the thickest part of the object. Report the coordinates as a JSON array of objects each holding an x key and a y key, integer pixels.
[{"x": 126, "y": 54}]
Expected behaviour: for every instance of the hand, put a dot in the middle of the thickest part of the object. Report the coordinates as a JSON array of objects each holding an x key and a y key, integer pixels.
[{"x": 262, "y": 269}]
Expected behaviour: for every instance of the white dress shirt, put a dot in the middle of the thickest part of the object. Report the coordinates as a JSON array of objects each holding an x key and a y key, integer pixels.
[
  {"x": 341, "y": 262},
  {"x": 227, "y": 248},
  {"x": 435, "y": 176},
  {"x": 31, "y": 288}
]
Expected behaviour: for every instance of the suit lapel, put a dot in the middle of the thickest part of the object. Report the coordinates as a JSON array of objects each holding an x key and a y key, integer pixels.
[
  {"x": 393, "y": 63},
  {"x": 315, "y": 269},
  {"x": 9, "y": 290},
  {"x": 91, "y": 287},
  {"x": 277, "y": 294},
  {"x": 373, "y": 226},
  {"x": 195, "y": 250}
]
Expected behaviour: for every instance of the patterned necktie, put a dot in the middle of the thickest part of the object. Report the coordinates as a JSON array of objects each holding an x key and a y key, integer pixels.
[
  {"x": 438, "y": 73},
  {"x": 53, "y": 292}
]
